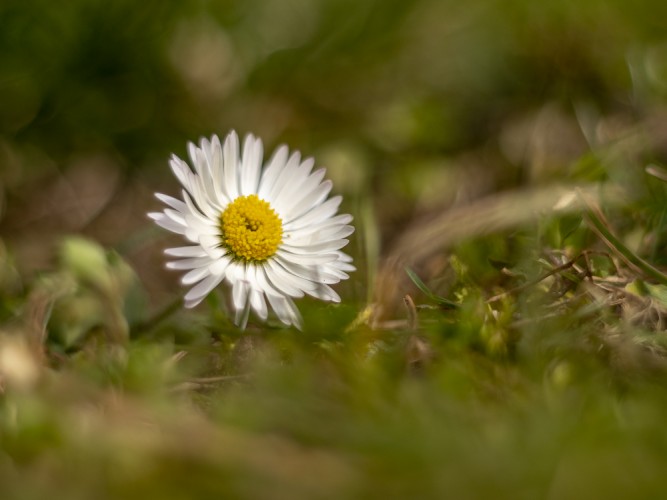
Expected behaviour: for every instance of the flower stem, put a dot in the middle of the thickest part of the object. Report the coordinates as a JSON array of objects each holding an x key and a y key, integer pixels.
[{"x": 157, "y": 318}]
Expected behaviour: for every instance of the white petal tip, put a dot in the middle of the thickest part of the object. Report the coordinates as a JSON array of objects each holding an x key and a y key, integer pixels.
[{"x": 191, "y": 302}]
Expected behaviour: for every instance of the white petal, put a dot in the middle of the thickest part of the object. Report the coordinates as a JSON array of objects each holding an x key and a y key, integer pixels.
[
  {"x": 236, "y": 276},
  {"x": 181, "y": 171},
  {"x": 260, "y": 282},
  {"x": 298, "y": 189},
  {"x": 240, "y": 293},
  {"x": 285, "y": 310},
  {"x": 206, "y": 185},
  {"x": 328, "y": 234},
  {"x": 331, "y": 272},
  {"x": 190, "y": 251},
  {"x": 316, "y": 274},
  {"x": 241, "y": 317},
  {"x": 337, "y": 221},
  {"x": 280, "y": 276},
  {"x": 325, "y": 247},
  {"x": 307, "y": 259},
  {"x": 258, "y": 304},
  {"x": 295, "y": 316},
  {"x": 300, "y": 184},
  {"x": 201, "y": 209},
  {"x": 201, "y": 290},
  {"x": 155, "y": 215},
  {"x": 343, "y": 263},
  {"x": 279, "y": 305},
  {"x": 212, "y": 245},
  {"x": 343, "y": 266},
  {"x": 325, "y": 292},
  {"x": 328, "y": 293},
  {"x": 251, "y": 275},
  {"x": 235, "y": 271},
  {"x": 209, "y": 219},
  {"x": 273, "y": 281},
  {"x": 200, "y": 197},
  {"x": 194, "y": 276},
  {"x": 251, "y": 165},
  {"x": 313, "y": 199},
  {"x": 240, "y": 298},
  {"x": 230, "y": 153},
  {"x": 342, "y": 256},
  {"x": 307, "y": 166},
  {"x": 163, "y": 221},
  {"x": 172, "y": 202},
  {"x": 200, "y": 226},
  {"x": 217, "y": 173},
  {"x": 219, "y": 266},
  {"x": 200, "y": 164},
  {"x": 177, "y": 217},
  {"x": 193, "y": 263},
  {"x": 257, "y": 301},
  {"x": 193, "y": 151},
  {"x": 316, "y": 215},
  {"x": 272, "y": 171},
  {"x": 284, "y": 177}
]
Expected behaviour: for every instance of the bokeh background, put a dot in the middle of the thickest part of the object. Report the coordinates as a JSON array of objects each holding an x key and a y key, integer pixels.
[
  {"x": 412, "y": 105},
  {"x": 418, "y": 109}
]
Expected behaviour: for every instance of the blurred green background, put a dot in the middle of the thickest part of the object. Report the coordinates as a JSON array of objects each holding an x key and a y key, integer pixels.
[
  {"x": 94, "y": 96},
  {"x": 418, "y": 109}
]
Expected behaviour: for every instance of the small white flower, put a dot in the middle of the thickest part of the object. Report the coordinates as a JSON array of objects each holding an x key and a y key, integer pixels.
[{"x": 270, "y": 232}]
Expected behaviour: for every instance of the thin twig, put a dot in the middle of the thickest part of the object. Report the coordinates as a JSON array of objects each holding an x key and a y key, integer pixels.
[
  {"x": 413, "y": 321},
  {"x": 534, "y": 282},
  {"x": 197, "y": 383}
]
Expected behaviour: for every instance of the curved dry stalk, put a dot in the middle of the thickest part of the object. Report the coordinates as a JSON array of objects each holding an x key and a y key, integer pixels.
[{"x": 488, "y": 215}]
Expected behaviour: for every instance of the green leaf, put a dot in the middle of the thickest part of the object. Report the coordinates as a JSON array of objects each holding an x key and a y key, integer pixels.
[
  {"x": 424, "y": 289},
  {"x": 568, "y": 225}
]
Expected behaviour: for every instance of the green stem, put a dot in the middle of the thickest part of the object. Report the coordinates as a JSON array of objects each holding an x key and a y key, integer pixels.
[{"x": 160, "y": 316}]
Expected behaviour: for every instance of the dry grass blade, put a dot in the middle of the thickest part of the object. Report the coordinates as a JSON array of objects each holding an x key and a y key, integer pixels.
[
  {"x": 491, "y": 214},
  {"x": 485, "y": 216},
  {"x": 657, "y": 172}
]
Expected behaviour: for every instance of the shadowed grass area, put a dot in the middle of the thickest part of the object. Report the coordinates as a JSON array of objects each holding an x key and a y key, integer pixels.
[{"x": 504, "y": 335}]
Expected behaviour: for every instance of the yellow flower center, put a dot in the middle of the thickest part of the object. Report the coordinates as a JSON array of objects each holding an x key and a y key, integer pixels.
[{"x": 251, "y": 229}]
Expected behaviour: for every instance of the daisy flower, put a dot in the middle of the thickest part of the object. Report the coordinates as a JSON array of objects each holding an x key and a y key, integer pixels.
[{"x": 270, "y": 232}]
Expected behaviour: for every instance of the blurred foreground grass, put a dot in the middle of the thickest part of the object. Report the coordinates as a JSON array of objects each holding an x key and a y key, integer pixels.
[{"x": 505, "y": 335}]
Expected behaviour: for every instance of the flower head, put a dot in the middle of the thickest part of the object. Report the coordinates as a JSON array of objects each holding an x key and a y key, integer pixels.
[{"x": 269, "y": 231}]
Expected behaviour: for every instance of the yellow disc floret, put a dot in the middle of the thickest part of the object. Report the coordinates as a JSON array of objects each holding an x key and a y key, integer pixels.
[{"x": 251, "y": 229}]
